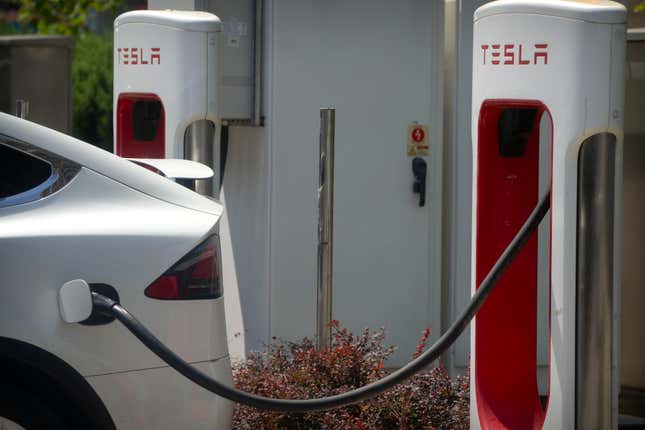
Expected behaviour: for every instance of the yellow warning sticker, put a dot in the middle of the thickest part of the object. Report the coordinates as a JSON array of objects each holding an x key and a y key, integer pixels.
[{"x": 418, "y": 140}]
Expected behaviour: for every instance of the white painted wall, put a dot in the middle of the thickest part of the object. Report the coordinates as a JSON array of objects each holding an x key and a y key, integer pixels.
[
  {"x": 373, "y": 61},
  {"x": 244, "y": 236}
]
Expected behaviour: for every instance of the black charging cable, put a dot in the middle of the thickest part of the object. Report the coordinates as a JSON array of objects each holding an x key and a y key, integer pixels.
[{"x": 110, "y": 307}]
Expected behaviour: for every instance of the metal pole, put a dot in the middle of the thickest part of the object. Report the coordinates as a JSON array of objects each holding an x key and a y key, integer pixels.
[
  {"x": 595, "y": 282},
  {"x": 22, "y": 108},
  {"x": 325, "y": 227},
  {"x": 199, "y": 142}
]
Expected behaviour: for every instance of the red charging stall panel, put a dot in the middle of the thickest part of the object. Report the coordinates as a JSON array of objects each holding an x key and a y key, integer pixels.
[
  {"x": 140, "y": 130},
  {"x": 506, "y": 325}
]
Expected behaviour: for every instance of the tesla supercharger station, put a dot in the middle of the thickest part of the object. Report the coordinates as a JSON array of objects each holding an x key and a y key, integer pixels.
[
  {"x": 547, "y": 112},
  {"x": 165, "y": 87}
]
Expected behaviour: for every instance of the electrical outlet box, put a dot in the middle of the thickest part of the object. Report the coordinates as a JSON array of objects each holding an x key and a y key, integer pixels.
[{"x": 236, "y": 51}]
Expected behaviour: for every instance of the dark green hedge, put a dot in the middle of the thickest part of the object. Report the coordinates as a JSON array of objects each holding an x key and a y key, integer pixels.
[{"x": 92, "y": 89}]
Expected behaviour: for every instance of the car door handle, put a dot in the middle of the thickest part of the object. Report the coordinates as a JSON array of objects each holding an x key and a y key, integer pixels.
[{"x": 419, "y": 169}]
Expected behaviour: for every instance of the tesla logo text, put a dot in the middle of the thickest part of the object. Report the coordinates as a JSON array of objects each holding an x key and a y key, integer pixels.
[
  {"x": 134, "y": 56},
  {"x": 515, "y": 53}
]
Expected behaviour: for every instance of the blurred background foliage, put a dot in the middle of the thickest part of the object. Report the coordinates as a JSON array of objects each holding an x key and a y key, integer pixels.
[
  {"x": 65, "y": 17},
  {"x": 92, "y": 89},
  {"x": 89, "y": 22}
]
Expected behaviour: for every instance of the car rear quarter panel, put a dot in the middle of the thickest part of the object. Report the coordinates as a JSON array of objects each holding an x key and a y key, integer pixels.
[
  {"x": 143, "y": 400},
  {"x": 102, "y": 231}
]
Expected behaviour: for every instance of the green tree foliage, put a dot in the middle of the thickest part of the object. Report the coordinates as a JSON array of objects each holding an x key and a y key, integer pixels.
[
  {"x": 640, "y": 7},
  {"x": 92, "y": 89},
  {"x": 67, "y": 17},
  {"x": 91, "y": 60}
]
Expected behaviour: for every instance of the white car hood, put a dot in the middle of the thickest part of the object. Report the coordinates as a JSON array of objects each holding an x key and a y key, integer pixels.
[{"x": 106, "y": 163}]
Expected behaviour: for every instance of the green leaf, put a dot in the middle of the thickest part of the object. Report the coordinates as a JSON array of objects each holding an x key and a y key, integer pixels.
[{"x": 92, "y": 89}]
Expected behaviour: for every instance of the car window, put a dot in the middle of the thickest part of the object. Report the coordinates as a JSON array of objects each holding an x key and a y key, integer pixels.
[
  {"x": 20, "y": 172},
  {"x": 29, "y": 173}
]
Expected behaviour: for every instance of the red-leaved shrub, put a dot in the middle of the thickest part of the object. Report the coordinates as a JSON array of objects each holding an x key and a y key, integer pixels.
[{"x": 429, "y": 400}]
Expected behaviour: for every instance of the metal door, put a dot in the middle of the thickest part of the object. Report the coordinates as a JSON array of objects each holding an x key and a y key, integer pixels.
[{"x": 378, "y": 64}]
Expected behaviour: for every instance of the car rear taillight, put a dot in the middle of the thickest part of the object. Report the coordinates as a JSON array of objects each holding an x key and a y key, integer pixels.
[{"x": 195, "y": 276}]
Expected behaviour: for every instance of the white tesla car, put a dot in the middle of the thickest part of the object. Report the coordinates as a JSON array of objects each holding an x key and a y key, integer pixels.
[{"x": 70, "y": 211}]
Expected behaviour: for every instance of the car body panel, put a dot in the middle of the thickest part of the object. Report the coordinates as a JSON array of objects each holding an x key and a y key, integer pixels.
[
  {"x": 141, "y": 400},
  {"x": 114, "y": 223},
  {"x": 101, "y": 231}
]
